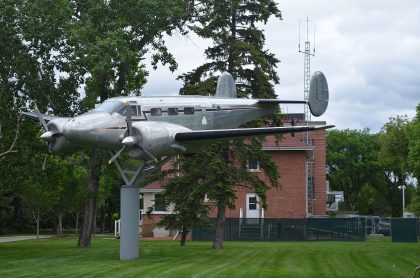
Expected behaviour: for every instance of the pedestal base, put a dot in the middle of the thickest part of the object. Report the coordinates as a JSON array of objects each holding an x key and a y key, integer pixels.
[{"x": 129, "y": 233}]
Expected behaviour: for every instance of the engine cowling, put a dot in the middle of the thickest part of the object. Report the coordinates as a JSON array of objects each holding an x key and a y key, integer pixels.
[
  {"x": 156, "y": 137},
  {"x": 58, "y": 143}
]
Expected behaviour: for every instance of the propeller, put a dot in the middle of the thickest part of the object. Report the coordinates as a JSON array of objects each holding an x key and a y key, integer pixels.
[
  {"x": 48, "y": 135},
  {"x": 41, "y": 118},
  {"x": 131, "y": 141}
]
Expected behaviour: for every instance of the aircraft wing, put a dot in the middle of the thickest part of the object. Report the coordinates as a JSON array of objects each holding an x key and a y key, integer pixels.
[
  {"x": 34, "y": 116},
  {"x": 242, "y": 132}
]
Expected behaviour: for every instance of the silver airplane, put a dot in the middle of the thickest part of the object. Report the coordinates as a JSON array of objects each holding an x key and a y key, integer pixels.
[{"x": 149, "y": 128}]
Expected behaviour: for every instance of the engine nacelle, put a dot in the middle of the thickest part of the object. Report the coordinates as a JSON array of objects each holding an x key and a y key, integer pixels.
[
  {"x": 157, "y": 137},
  {"x": 59, "y": 144}
]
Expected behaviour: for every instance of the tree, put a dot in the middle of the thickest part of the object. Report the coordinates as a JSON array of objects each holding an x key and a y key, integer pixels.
[
  {"x": 413, "y": 136},
  {"x": 237, "y": 48},
  {"x": 52, "y": 50},
  {"x": 186, "y": 196},
  {"x": 31, "y": 36},
  {"x": 224, "y": 170},
  {"x": 393, "y": 158},
  {"x": 107, "y": 40},
  {"x": 414, "y": 205},
  {"x": 238, "y": 43},
  {"x": 353, "y": 167},
  {"x": 109, "y": 201}
]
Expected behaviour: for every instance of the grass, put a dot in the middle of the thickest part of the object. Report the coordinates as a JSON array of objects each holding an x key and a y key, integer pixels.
[{"x": 59, "y": 257}]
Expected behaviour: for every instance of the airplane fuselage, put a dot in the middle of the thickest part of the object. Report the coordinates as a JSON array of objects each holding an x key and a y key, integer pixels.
[{"x": 105, "y": 125}]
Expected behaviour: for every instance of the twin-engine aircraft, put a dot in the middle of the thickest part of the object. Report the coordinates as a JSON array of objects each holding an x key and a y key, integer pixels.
[{"x": 151, "y": 127}]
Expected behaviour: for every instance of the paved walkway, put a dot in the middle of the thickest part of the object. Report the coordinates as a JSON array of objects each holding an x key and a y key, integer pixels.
[{"x": 18, "y": 238}]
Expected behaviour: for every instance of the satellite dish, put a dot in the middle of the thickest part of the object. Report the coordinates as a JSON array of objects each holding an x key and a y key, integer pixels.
[
  {"x": 318, "y": 94},
  {"x": 226, "y": 87}
]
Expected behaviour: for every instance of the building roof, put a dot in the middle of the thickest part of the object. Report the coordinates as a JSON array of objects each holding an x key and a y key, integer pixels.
[{"x": 154, "y": 187}]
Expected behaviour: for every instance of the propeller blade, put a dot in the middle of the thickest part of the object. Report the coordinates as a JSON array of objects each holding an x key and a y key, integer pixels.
[
  {"x": 147, "y": 152},
  {"x": 115, "y": 156},
  {"x": 45, "y": 162},
  {"x": 128, "y": 118},
  {"x": 40, "y": 118}
]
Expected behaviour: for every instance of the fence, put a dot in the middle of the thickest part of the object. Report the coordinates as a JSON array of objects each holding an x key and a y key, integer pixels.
[
  {"x": 404, "y": 229},
  {"x": 287, "y": 229},
  {"x": 418, "y": 228}
]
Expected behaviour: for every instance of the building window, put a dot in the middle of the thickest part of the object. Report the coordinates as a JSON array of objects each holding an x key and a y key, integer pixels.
[
  {"x": 156, "y": 112},
  {"x": 141, "y": 199},
  {"x": 188, "y": 110},
  {"x": 172, "y": 111},
  {"x": 160, "y": 204},
  {"x": 252, "y": 203},
  {"x": 253, "y": 165}
]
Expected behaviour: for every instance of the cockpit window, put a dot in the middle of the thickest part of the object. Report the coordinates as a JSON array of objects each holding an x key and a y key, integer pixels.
[{"x": 109, "y": 106}]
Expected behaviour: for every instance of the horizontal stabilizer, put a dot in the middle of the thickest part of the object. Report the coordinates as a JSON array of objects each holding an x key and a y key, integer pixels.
[
  {"x": 242, "y": 132},
  {"x": 34, "y": 116},
  {"x": 279, "y": 101}
]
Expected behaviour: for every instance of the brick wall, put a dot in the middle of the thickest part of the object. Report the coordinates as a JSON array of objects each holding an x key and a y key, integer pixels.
[{"x": 288, "y": 201}]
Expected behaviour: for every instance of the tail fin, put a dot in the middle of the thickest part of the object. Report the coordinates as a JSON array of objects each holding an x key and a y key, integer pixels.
[
  {"x": 318, "y": 94},
  {"x": 226, "y": 86}
]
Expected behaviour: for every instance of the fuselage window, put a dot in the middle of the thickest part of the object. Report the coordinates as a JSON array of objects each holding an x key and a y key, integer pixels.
[
  {"x": 188, "y": 110},
  {"x": 172, "y": 111},
  {"x": 156, "y": 112}
]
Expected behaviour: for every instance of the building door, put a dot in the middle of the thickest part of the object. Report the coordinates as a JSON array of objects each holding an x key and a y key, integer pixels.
[{"x": 252, "y": 206}]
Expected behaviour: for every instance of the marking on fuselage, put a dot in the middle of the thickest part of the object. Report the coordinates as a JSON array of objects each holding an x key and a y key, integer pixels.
[{"x": 204, "y": 121}]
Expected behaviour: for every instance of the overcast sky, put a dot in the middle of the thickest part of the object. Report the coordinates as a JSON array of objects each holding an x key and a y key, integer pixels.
[{"x": 368, "y": 50}]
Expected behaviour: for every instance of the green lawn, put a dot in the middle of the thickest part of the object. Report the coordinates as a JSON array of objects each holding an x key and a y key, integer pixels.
[{"x": 60, "y": 258}]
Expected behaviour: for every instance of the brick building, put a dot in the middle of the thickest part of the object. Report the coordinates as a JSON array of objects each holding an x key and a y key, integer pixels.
[{"x": 303, "y": 191}]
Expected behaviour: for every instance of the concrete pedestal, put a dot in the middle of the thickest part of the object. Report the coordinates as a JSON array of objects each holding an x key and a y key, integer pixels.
[{"x": 129, "y": 233}]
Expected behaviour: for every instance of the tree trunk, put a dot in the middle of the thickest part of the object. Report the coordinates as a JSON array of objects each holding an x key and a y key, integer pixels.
[
  {"x": 94, "y": 226},
  {"x": 58, "y": 221},
  {"x": 184, "y": 235},
  {"x": 92, "y": 184},
  {"x": 102, "y": 221},
  {"x": 109, "y": 219},
  {"x": 77, "y": 221},
  {"x": 220, "y": 224},
  {"x": 37, "y": 225},
  {"x": 60, "y": 224}
]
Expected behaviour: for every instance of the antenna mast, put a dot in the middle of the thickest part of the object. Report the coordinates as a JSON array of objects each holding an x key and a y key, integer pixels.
[
  {"x": 307, "y": 74},
  {"x": 307, "y": 135}
]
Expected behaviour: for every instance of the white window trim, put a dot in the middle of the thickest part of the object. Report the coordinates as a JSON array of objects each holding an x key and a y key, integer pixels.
[
  {"x": 161, "y": 212},
  {"x": 207, "y": 200},
  {"x": 253, "y": 170}
]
